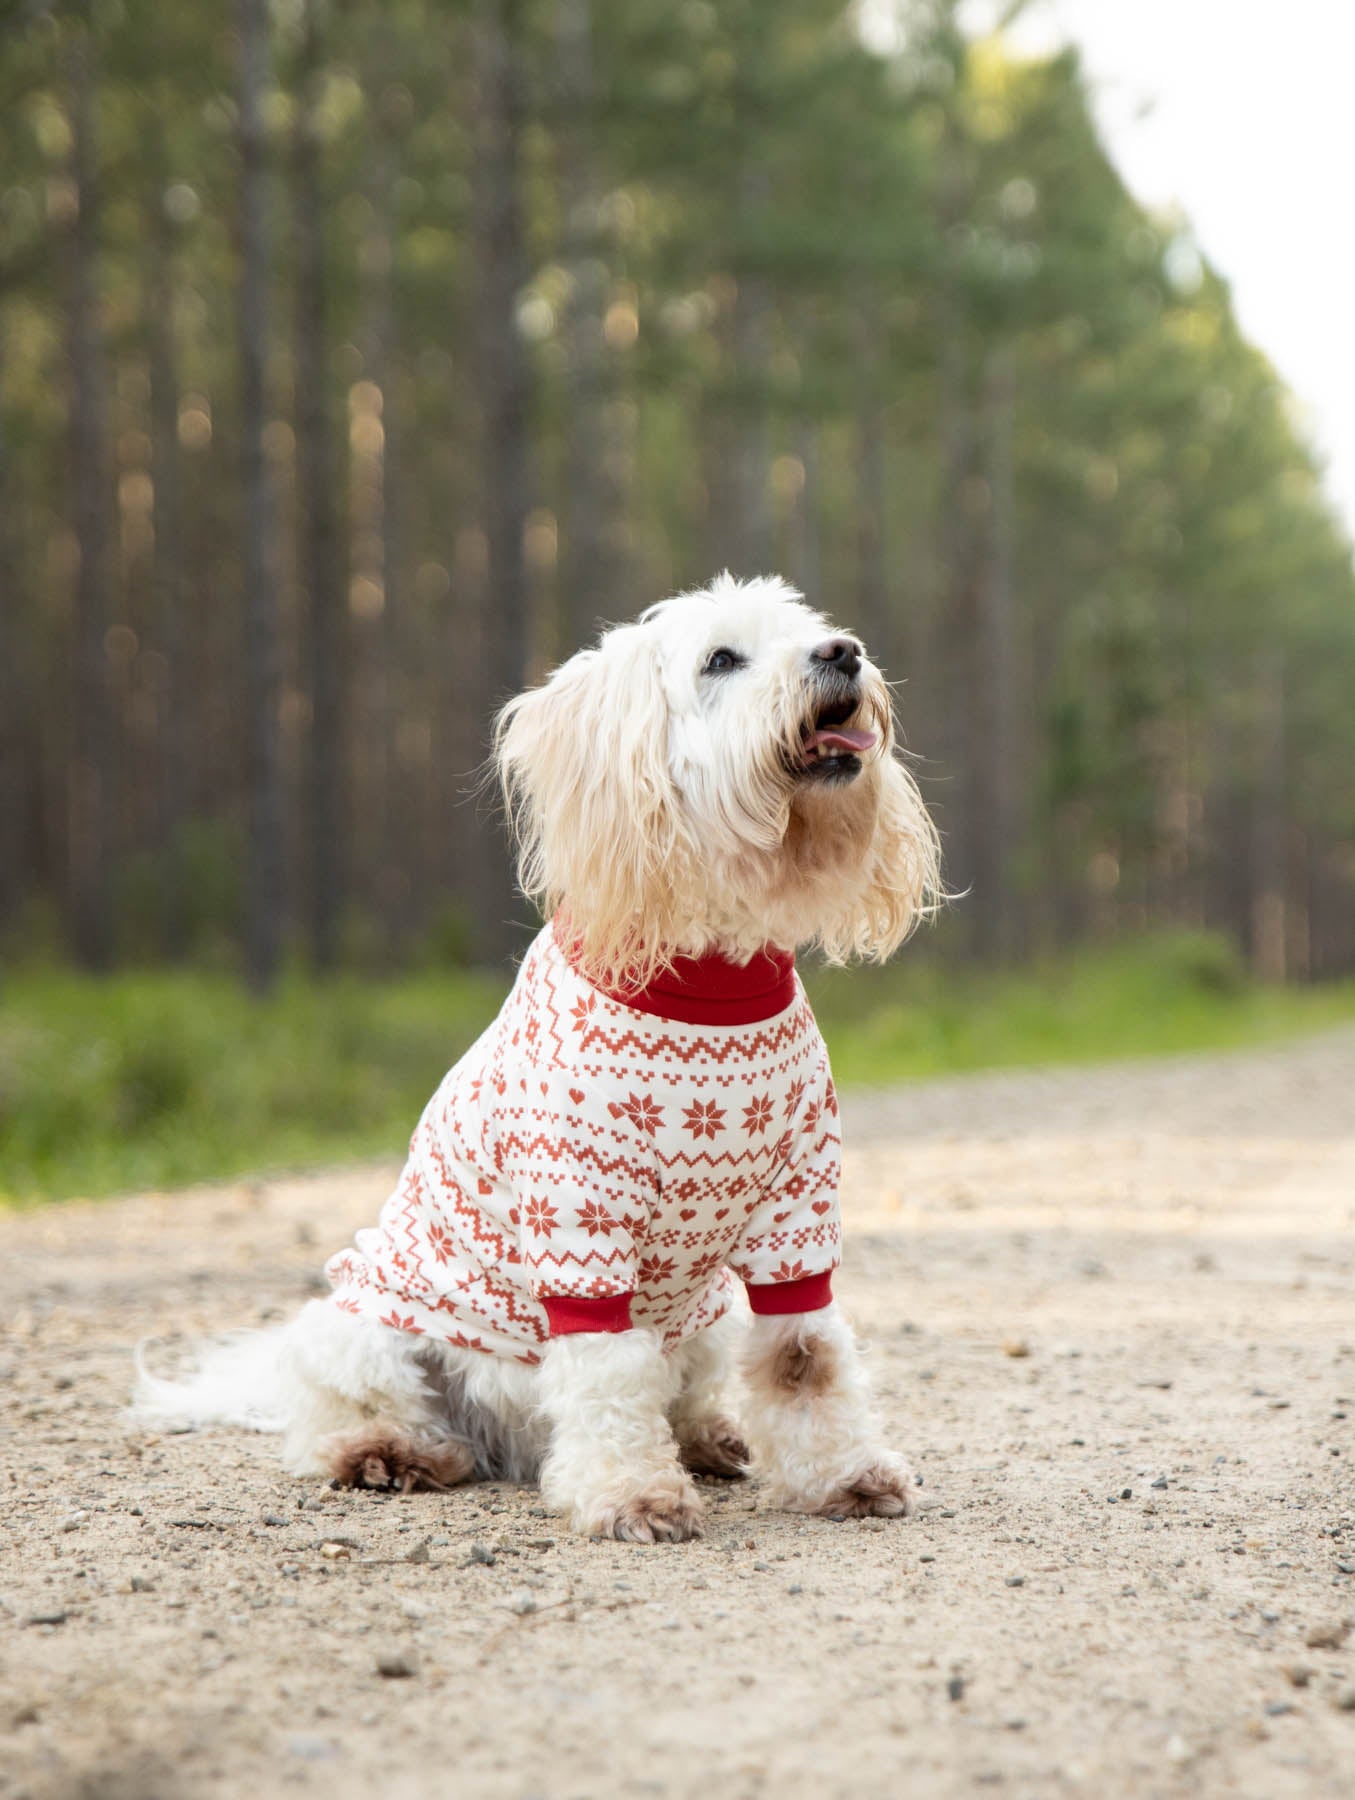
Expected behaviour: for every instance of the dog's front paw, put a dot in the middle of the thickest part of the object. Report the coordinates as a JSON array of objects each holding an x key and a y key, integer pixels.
[
  {"x": 664, "y": 1512},
  {"x": 713, "y": 1447},
  {"x": 882, "y": 1490}
]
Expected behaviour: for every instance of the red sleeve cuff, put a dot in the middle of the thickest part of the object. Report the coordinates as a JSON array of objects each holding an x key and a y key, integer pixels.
[
  {"x": 568, "y": 1313},
  {"x": 810, "y": 1294}
]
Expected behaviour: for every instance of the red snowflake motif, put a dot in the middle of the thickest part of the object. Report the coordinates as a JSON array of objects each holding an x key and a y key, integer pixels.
[
  {"x": 643, "y": 1114},
  {"x": 785, "y": 1144},
  {"x": 794, "y": 1094},
  {"x": 396, "y": 1323},
  {"x": 656, "y": 1268},
  {"x": 704, "y": 1118},
  {"x": 706, "y": 1265},
  {"x": 595, "y": 1219},
  {"x": 540, "y": 1216},
  {"x": 830, "y": 1099},
  {"x": 785, "y": 1271},
  {"x": 348, "y": 1306},
  {"x": 811, "y": 1117},
  {"x": 757, "y": 1115},
  {"x": 582, "y": 1007},
  {"x": 440, "y": 1242}
]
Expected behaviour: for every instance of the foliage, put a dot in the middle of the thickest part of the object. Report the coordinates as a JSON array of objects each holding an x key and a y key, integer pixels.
[{"x": 156, "y": 1080}]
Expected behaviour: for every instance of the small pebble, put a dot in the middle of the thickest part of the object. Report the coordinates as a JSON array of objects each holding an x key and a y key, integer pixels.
[
  {"x": 310, "y": 1748},
  {"x": 1330, "y": 1634},
  {"x": 481, "y": 1553},
  {"x": 1278, "y": 1708},
  {"x": 1016, "y": 1348},
  {"x": 1016, "y": 1581},
  {"x": 420, "y": 1552},
  {"x": 522, "y": 1603},
  {"x": 955, "y": 1687},
  {"x": 334, "y": 1552},
  {"x": 1298, "y": 1674},
  {"x": 1345, "y": 1700},
  {"x": 1160, "y": 1483},
  {"x": 275, "y": 1519},
  {"x": 395, "y": 1665},
  {"x": 56, "y": 1617},
  {"x": 1126, "y": 1493}
]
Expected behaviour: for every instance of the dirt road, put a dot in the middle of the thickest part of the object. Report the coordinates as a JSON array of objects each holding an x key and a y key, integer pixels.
[{"x": 1112, "y": 1316}]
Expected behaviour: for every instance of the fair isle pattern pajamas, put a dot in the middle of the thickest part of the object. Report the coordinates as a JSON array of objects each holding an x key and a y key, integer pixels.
[{"x": 594, "y": 1162}]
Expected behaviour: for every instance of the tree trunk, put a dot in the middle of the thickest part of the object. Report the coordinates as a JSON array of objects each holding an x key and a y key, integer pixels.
[
  {"x": 593, "y": 564},
  {"x": 1269, "y": 860},
  {"x": 503, "y": 382},
  {"x": 267, "y": 892},
  {"x": 92, "y": 787},
  {"x": 873, "y": 611},
  {"x": 15, "y": 631},
  {"x": 322, "y": 552},
  {"x": 168, "y": 581},
  {"x": 992, "y": 722}
]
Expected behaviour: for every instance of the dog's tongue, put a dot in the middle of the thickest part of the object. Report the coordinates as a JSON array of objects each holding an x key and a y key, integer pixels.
[{"x": 838, "y": 737}]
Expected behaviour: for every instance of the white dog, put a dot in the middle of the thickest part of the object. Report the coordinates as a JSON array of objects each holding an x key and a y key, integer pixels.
[{"x": 547, "y": 1293}]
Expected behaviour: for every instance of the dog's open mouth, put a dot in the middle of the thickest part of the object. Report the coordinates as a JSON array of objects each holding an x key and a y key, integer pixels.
[{"x": 830, "y": 748}]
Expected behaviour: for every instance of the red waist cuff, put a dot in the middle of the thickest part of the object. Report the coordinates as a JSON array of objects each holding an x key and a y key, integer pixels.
[
  {"x": 568, "y": 1313},
  {"x": 810, "y": 1294}
]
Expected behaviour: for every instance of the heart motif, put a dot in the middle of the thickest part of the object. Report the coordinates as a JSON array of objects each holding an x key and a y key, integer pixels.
[
  {"x": 688, "y": 1212},
  {"x": 576, "y": 1095},
  {"x": 822, "y": 1206},
  {"x": 723, "y": 1210},
  {"x": 545, "y": 1089},
  {"x": 780, "y": 1218},
  {"x": 485, "y": 1187}
]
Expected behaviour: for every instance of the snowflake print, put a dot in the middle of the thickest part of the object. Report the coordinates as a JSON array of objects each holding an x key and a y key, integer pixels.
[
  {"x": 441, "y": 1242},
  {"x": 704, "y": 1118},
  {"x": 582, "y": 1007},
  {"x": 396, "y": 1323},
  {"x": 595, "y": 1219},
  {"x": 540, "y": 1216},
  {"x": 757, "y": 1115},
  {"x": 795, "y": 1093},
  {"x": 656, "y": 1268},
  {"x": 811, "y": 1117},
  {"x": 643, "y": 1114},
  {"x": 706, "y": 1265},
  {"x": 785, "y": 1271}
]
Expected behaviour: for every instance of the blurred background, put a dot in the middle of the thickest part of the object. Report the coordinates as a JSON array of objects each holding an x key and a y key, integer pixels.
[{"x": 357, "y": 360}]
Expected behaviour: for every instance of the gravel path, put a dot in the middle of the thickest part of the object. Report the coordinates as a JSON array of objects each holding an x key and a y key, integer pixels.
[{"x": 1112, "y": 1316}]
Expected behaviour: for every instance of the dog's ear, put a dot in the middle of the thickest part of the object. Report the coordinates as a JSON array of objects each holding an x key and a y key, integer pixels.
[
  {"x": 583, "y": 761},
  {"x": 902, "y": 883}
]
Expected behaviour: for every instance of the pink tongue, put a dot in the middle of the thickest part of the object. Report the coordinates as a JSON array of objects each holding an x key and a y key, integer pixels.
[{"x": 839, "y": 737}]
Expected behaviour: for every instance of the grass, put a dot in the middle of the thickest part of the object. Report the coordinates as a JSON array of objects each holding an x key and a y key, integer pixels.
[{"x": 158, "y": 1079}]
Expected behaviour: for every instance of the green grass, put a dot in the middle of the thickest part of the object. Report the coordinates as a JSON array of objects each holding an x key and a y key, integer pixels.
[{"x": 160, "y": 1079}]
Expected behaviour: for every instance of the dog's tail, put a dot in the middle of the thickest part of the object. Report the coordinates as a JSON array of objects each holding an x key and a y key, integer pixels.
[{"x": 236, "y": 1381}]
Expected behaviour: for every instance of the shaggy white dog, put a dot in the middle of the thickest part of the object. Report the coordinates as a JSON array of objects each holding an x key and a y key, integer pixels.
[{"x": 547, "y": 1295}]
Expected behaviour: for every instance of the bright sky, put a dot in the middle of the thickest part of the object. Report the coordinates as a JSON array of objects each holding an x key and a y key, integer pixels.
[{"x": 1242, "y": 113}]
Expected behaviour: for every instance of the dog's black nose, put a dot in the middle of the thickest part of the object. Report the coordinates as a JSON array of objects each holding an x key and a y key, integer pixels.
[{"x": 841, "y": 653}]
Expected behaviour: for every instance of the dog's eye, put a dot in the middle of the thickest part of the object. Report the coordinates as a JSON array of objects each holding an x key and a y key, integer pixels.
[{"x": 721, "y": 661}]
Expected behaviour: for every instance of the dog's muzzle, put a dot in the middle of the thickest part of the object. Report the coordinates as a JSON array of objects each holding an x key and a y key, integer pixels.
[{"x": 831, "y": 746}]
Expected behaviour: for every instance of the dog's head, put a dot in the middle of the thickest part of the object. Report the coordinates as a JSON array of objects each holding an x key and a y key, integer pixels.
[{"x": 720, "y": 773}]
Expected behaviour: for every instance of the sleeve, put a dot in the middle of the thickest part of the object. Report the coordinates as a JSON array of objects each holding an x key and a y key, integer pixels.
[
  {"x": 793, "y": 1240},
  {"x": 582, "y": 1190}
]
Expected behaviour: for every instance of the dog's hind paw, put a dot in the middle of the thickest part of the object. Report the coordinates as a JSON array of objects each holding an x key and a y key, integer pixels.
[
  {"x": 387, "y": 1459},
  {"x": 713, "y": 1447},
  {"x": 883, "y": 1491}
]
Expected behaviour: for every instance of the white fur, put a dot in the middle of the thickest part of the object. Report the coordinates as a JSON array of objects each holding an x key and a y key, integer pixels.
[
  {"x": 665, "y": 811},
  {"x": 813, "y": 1447}
]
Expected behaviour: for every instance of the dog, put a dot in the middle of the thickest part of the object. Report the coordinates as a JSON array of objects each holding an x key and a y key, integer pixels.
[{"x": 549, "y": 1294}]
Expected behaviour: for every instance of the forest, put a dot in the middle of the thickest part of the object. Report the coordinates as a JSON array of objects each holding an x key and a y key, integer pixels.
[{"x": 357, "y": 360}]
